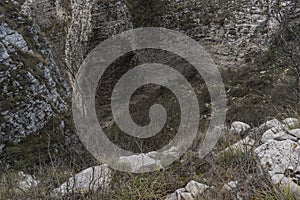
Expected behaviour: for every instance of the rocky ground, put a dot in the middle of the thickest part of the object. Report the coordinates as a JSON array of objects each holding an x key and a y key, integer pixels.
[
  {"x": 248, "y": 163},
  {"x": 256, "y": 46}
]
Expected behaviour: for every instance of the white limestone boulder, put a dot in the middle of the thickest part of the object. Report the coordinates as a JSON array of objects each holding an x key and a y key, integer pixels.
[
  {"x": 291, "y": 122},
  {"x": 25, "y": 182},
  {"x": 239, "y": 128},
  {"x": 192, "y": 191},
  {"x": 295, "y": 132},
  {"x": 90, "y": 179},
  {"x": 280, "y": 133},
  {"x": 280, "y": 159},
  {"x": 271, "y": 124},
  {"x": 229, "y": 186}
]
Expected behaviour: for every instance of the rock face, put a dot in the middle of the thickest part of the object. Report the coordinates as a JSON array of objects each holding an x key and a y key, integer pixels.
[
  {"x": 279, "y": 156},
  {"x": 192, "y": 191},
  {"x": 53, "y": 19},
  {"x": 88, "y": 23},
  {"x": 32, "y": 86},
  {"x": 230, "y": 30},
  {"x": 92, "y": 22},
  {"x": 49, "y": 9},
  {"x": 90, "y": 179}
]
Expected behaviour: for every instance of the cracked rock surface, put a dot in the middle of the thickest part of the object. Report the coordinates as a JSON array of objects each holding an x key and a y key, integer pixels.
[{"x": 32, "y": 87}]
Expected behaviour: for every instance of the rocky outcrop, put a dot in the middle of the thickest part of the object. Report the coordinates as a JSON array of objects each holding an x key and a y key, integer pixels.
[
  {"x": 276, "y": 150},
  {"x": 45, "y": 12},
  {"x": 92, "y": 22},
  {"x": 232, "y": 31},
  {"x": 53, "y": 19},
  {"x": 279, "y": 155},
  {"x": 280, "y": 160},
  {"x": 32, "y": 86}
]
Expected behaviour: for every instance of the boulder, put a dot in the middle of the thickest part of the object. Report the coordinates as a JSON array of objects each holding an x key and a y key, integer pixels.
[
  {"x": 295, "y": 132},
  {"x": 176, "y": 195},
  {"x": 153, "y": 160},
  {"x": 192, "y": 191},
  {"x": 239, "y": 128},
  {"x": 280, "y": 159},
  {"x": 195, "y": 188},
  {"x": 229, "y": 186},
  {"x": 137, "y": 163},
  {"x": 26, "y": 182},
  {"x": 291, "y": 122},
  {"x": 272, "y": 133},
  {"x": 270, "y": 124},
  {"x": 90, "y": 179},
  {"x": 277, "y": 156}
]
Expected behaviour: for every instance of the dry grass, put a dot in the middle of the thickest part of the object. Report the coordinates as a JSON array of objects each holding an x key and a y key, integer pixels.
[{"x": 214, "y": 170}]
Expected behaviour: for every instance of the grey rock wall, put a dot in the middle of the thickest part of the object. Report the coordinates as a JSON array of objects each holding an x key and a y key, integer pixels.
[
  {"x": 232, "y": 31},
  {"x": 33, "y": 89},
  {"x": 92, "y": 22}
]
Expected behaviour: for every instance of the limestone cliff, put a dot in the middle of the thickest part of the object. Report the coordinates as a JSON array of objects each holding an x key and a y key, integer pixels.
[
  {"x": 92, "y": 22},
  {"x": 232, "y": 31},
  {"x": 32, "y": 86}
]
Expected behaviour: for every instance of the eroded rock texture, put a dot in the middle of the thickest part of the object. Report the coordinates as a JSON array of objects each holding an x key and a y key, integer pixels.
[
  {"x": 33, "y": 89},
  {"x": 233, "y": 32}
]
